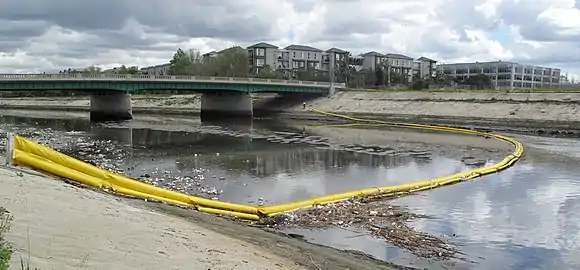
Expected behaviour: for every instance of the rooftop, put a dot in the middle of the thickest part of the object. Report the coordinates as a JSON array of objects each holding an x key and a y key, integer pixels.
[
  {"x": 423, "y": 58},
  {"x": 373, "y": 53},
  {"x": 398, "y": 56},
  {"x": 302, "y": 48},
  {"x": 263, "y": 45},
  {"x": 336, "y": 50}
]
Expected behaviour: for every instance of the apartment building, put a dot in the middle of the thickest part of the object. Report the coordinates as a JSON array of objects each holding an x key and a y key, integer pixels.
[
  {"x": 425, "y": 67},
  {"x": 506, "y": 75},
  {"x": 294, "y": 57},
  {"x": 398, "y": 63},
  {"x": 162, "y": 69},
  {"x": 263, "y": 54},
  {"x": 372, "y": 60}
]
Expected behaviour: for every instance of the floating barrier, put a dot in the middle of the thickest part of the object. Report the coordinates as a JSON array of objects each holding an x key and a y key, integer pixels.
[{"x": 24, "y": 152}]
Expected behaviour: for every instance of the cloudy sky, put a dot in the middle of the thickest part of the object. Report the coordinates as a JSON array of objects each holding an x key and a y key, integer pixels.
[{"x": 48, "y": 35}]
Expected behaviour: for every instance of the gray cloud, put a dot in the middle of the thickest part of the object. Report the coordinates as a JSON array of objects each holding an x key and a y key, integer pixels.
[{"x": 39, "y": 35}]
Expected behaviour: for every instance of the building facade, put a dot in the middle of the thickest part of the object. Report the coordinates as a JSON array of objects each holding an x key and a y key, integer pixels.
[
  {"x": 505, "y": 75},
  {"x": 162, "y": 69},
  {"x": 398, "y": 63},
  {"x": 294, "y": 58}
]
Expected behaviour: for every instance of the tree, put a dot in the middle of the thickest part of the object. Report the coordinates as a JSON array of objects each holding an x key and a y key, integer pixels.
[
  {"x": 128, "y": 70},
  {"x": 419, "y": 83},
  {"x": 441, "y": 79},
  {"x": 266, "y": 72},
  {"x": 92, "y": 70},
  {"x": 231, "y": 62},
  {"x": 181, "y": 63},
  {"x": 398, "y": 78},
  {"x": 478, "y": 82}
]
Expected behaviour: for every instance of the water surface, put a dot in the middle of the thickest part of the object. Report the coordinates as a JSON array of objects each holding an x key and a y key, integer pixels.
[{"x": 527, "y": 217}]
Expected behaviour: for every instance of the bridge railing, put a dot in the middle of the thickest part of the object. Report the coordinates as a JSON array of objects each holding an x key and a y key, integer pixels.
[{"x": 138, "y": 77}]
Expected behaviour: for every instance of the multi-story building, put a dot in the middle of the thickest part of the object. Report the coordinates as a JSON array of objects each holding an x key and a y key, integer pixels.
[
  {"x": 424, "y": 67},
  {"x": 294, "y": 57},
  {"x": 505, "y": 75},
  {"x": 162, "y": 69},
  {"x": 263, "y": 54},
  {"x": 341, "y": 57},
  {"x": 372, "y": 60},
  {"x": 398, "y": 63}
]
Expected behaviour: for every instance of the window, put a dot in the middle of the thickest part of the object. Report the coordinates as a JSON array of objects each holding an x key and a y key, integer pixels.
[
  {"x": 293, "y": 54},
  {"x": 308, "y": 55},
  {"x": 260, "y": 62},
  {"x": 294, "y": 64},
  {"x": 301, "y": 55},
  {"x": 314, "y": 55},
  {"x": 260, "y": 52},
  {"x": 317, "y": 65}
]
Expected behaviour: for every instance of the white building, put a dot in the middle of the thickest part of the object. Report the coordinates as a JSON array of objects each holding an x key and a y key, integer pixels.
[{"x": 505, "y": 75}]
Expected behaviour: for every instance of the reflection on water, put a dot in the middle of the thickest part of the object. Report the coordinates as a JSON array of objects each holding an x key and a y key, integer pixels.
[{"x": 527, "y": 217}]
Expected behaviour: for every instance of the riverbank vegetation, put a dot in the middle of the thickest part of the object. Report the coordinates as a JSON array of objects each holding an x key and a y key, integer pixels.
[{"x": 5, "y": 249}]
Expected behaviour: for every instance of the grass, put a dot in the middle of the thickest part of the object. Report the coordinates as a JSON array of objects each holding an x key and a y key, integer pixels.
[{"x": 5, "y": 249}]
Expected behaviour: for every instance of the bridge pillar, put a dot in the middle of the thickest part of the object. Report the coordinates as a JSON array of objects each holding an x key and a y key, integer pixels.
[
  {"x": 110, "y": 106},
  {"x": 226, "y": 105}
]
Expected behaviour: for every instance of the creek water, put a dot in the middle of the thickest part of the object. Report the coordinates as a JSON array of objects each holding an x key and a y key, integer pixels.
[{"x": 527, "y": 217}]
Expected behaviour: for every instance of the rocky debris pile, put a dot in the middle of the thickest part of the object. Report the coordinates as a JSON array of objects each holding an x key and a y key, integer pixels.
[
  {"x": 189, "y": 183},
  {"x": 472, "y": 161},
  {"x": 107, "y": 154},
  {"x": 380, "y": 218},
  {"x": 111, "y": 156}
]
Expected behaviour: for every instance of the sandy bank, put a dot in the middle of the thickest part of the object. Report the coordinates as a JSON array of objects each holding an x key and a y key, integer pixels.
[
  {"x": 73, "y": 228},
  {"x": 543, "y": 112},
  {"x": 60, "y": 226}
]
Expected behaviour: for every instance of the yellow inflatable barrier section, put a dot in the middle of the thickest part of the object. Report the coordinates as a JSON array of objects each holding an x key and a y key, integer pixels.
[{"x": 31, "y": 154}]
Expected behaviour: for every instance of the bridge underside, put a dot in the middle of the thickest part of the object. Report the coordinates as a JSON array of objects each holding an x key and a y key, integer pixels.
[
  {"x": 116, "y": 106},
  {"x": 110, "y": 106},
  {"x": 226, "y": 105}
]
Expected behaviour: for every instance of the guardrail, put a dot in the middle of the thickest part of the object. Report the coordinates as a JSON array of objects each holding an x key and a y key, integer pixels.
[{"x": 151, "y": 78}]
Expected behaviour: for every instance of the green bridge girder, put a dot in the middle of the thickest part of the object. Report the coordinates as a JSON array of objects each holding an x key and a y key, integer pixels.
[{"x": 136, "y": 86}]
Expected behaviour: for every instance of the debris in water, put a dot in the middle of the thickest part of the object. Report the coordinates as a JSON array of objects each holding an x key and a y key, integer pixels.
[{"x": 379, "y": 218}]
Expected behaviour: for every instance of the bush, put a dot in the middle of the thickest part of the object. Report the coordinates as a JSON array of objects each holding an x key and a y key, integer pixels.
[{"x": 5, "y": 249}]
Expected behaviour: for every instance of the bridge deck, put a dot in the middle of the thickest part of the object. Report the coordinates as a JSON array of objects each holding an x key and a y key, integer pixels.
[{"x": 15, "y": 78}]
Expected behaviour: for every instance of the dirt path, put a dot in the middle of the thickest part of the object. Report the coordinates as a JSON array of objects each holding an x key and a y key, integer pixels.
[{"x": 72, "y": 228}]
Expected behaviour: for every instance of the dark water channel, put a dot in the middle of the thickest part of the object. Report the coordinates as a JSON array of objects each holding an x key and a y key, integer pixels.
[{"x": 525, "y": 218}]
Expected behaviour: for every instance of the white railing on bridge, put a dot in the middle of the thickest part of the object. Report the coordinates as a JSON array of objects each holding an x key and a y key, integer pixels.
[{"x": 168, "y": 78}]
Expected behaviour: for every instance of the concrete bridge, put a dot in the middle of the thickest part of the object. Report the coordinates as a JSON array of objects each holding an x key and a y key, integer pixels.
[{"x": 223, "y": 97}]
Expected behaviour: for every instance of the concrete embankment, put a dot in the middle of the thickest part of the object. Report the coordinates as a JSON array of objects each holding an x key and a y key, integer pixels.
[{"x": 537, "y": 112}]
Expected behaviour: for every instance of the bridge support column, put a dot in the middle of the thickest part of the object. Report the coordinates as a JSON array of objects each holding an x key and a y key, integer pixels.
[
  {"x": 226, "y": 105},
  {"x": 110, "y": 106}
]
